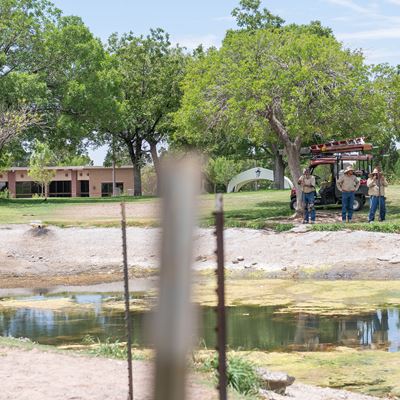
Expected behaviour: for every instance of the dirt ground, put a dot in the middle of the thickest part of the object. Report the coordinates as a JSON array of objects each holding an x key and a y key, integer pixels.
[
  {"x": 90, "y": 212},
  {"x": 93, "y": 255},
  {"x": 39, "y": 375},
  {"x": 44, "y": 375}
]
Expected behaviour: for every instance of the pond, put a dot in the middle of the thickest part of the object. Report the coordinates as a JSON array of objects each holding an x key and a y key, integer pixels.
[{"x": 249, "y": 327}]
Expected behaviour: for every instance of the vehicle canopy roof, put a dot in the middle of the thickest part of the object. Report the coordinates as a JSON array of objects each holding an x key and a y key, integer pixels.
[
  {"x": 341, "y": 146},
  {"x": 333, "y": 160},
  {"x": 343, "y": 150}
]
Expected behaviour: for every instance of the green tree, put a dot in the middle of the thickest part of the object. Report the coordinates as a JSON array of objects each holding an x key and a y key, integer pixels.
[
  {"x": 386, "y": 83},
  {"x": 249, "y": 16},
  {"x": 42, "y": 158},
  {"x": 74, "y": 99},
  {"x": 15, "y": 121},
  {"x": 23, "y": 24},
  {"x": 49, "y": 65},
  {"x": 146, "y": 76},
  {"x": 74, "y": 161},
  {"x": 221, "y": 170},
  {"x": 297, "y": 79}
]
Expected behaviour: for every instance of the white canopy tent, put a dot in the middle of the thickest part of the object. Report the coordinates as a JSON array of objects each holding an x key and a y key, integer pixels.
[{"x": 252, "y": 175}]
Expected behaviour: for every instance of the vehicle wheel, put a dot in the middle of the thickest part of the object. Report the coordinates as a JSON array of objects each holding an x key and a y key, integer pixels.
[
  {"x": 358, "y": 203},
  {"x": 293, "y": 203}
]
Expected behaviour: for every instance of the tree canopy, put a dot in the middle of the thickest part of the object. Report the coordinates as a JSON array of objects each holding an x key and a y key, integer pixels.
[
  {"x": 297, "y": 80},
  {"x": 48, "y": 71},
  {"x": 145, "y": 75},
  {"x": 271, "y": 86}
]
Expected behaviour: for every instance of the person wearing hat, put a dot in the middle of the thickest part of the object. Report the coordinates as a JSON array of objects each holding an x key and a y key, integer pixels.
[
  {"x": 348, "y": 184},
  {"x": 307, "y": 183},
  {"x": 376, "y": 190}
]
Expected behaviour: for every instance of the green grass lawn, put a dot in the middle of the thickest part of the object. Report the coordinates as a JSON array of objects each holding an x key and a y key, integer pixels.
[
  {"x": 257, "y": 210},
  {"x": 18, "y": 211}
]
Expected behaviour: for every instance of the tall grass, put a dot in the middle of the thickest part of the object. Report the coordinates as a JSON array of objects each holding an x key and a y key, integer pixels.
[
  {"x": 109, "y": 348},
  {"x": 241, "y": 374}
]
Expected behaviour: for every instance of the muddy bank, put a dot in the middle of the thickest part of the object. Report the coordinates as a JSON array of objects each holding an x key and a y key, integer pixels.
[
  {"x": 39, "y": 286},
  {"x": 97, "y": 251}
]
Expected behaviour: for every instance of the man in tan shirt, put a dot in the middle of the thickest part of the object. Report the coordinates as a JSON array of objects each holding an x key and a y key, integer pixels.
[
  {"x": 307, "y": 183},
  {"x": 348, "y": 184},
  {"x": 376, "y": 190}
]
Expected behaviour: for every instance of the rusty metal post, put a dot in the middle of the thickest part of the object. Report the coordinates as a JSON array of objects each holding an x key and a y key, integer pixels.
[
  {"x": 173, "y": 330},
  {"x": 128, "y": 320},
  {"x": 221, "y": 317}
]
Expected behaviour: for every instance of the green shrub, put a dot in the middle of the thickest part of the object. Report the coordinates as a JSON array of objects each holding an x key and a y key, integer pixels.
[
  {"x": 107, "y": 349},
  {"x": 5, "y": 194},
  {"x": 241, "y": 374}
]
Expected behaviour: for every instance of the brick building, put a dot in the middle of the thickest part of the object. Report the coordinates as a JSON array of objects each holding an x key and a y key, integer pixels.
[{"x": 69, "y": 182}]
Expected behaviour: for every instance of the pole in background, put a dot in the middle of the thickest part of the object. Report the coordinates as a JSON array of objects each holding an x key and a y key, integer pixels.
[
  {"x": 221, "y": 317},
  {"x": 114, "y": 184},
  {"x": 175, "y": 316},
  {"x": 128, "y": 321},
  {"x": 379, "y": 194}
]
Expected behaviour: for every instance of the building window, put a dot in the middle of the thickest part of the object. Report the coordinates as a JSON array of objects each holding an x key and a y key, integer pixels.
[
  {"x": 27, "y": 189},
  {"x": 60, "y": 189},
  {"x": 106, "y": 188}
]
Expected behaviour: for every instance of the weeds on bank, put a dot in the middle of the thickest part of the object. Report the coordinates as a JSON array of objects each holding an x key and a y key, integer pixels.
[
  {"x": 241, "y": 374},
  {"x": 249, "y": 224},
  {"x": 385, "y": 227},
  {"x": 109, "y": 348}
]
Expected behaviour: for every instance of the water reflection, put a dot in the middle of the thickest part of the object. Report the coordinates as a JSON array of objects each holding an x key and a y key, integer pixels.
[{"x": 249, "y": 327}]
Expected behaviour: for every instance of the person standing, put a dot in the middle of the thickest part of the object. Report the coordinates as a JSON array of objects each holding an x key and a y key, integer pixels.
[
  {"x": 348, "y": 184},
  {"x": 307, "y": 183},
  {"x": 376, "y": 190}
]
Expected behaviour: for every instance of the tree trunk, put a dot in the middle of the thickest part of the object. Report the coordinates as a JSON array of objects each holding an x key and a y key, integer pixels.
[
  {"x": 156, "y": 162},
  {"x": 137, "y": 176},
  {"x": 279, "y": 169},
  {"x": 293, "y": 154},
  {"x": 137, "y": 180},
  {"x": 135, "y": 153}
]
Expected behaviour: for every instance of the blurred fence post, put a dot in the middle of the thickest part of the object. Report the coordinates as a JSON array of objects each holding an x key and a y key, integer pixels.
[{"x": 173, "y": 329}]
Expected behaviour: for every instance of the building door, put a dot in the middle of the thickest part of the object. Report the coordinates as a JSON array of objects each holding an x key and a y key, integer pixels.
[
  {"x": 107, "y": 190},
  {"x": 84, "y": 192}
]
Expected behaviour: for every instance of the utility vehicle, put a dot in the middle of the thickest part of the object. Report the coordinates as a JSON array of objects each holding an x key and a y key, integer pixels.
[{"x": 328, "y": 161}]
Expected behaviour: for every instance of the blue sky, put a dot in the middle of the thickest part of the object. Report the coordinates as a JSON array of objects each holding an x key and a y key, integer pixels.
[{"x": 372, "y": 25}]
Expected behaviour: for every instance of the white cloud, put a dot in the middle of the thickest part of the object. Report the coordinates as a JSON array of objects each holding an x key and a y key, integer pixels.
[
  {"x": 386, "y": 33},
  {"x": 381, "y": 55},
  {"x": 192, "y": 42},
  {"x": 342, "y": 19},
  {"x": 397, "y": 2},
  {"x": 372, "y": 11},
  {"x": 227, "y": 18},
  {"x": 352, "y": 5}
]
